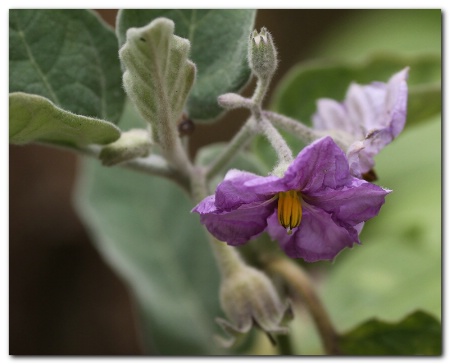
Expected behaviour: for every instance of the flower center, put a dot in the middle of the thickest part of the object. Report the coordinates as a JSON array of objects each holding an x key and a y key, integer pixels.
[{"x": 289, "y": 210}]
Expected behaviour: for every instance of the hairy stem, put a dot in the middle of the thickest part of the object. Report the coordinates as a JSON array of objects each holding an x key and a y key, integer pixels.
[
  {"x": 153, "y": 165},
  {"x": 285, "y": 345},
  {"x": 299, "y": 281},
  {"x": 262, "y": 85},
  {"x": 227, "y": 257},
  {"x": 293, "y": 126},
  {"x": 177, "y": 156},
  {"x": 276, "y": 140}
]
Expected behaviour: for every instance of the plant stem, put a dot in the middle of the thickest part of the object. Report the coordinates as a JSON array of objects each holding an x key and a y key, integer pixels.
[
  {"x": 276, "y": 140},
  {"x": 293, "y": 126},
  {"x": 153, "y": 165},
  {"x": 177, "y": 156},
  {"x": 239, "y": 141},
  {"x": 299, "y": 281},
  {"x": 227, "y": 257},
  {"x": 262, "y": 85},
  {"x": 285, "y": 345}
]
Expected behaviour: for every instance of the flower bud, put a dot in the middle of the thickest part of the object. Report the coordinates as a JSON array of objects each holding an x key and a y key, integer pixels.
[
  {"x": 248, "y": 297},
  {"x": 132, "y": 144},
  {"x": 262, "y": 54}
]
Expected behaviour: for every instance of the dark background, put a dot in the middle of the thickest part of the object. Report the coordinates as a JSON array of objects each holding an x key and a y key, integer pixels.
[{"x": 63, "y": 299}]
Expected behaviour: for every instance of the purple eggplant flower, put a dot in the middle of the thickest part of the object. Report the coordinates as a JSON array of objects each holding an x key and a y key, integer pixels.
[
  {"x": 314, "y": 211},
  {"x": 370, "y": 117}
]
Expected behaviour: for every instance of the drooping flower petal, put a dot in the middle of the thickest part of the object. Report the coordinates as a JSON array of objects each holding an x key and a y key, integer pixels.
[
  {"x": 317, "y": 238},
  {"x": 352, "y": 205},
  {"x": 370, "y": 117},
  {"x": 232, "y": 192},
  {"x": 236, "y": 226},
  {"x": 333, "y": 115}
]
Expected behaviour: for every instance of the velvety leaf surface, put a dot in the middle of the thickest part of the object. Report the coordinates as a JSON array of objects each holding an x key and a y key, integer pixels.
[
  {"x": 297, "y": 93},
  {"x": 69, "y": 57},
  {"x": 417, "y": 334},
  {"x": 158, "y": 76},
  {"x": 218, "y": 48},
  {"x": 144, "y": 229},
  {"x": 35, "y": 118}
]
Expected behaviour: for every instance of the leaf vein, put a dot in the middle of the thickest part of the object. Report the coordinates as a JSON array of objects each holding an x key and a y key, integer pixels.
[{"x": 21, "y": 33}]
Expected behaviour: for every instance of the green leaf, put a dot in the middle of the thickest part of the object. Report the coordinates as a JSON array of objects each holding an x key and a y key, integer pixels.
[
  {"x": 158, "y": 75},
  {"x": 143, "y": 227},
  {"x": 417, "y": 334},
  {"x": 219, "y": 50},
  {"x": 69, "y": 57},
  {"x": 372, "y": 30},
  {"x": 297, "y": 93},
  {"x": 423, "y": 103},
  {"x": 34, "y": 118}
]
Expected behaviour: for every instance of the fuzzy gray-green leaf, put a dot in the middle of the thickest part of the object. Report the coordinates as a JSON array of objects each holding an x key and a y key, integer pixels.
[
  {"x": 69, "y": 57},
  {"x": 35, "y": 118},
  {"x": 219, "y": 50},
  {"x": 158, "y": 75},
  {"x": 144, "y": 229}
]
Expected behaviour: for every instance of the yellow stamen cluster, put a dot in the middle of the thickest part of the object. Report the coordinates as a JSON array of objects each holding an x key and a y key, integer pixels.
[{"x": 289, "y": 210}]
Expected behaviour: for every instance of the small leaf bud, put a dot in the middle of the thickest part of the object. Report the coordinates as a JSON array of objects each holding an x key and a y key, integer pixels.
[{"x": 134, "y": 143}]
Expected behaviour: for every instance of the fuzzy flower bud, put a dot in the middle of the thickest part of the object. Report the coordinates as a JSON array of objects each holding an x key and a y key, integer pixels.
[
  {"x": 248, "y": 297},
  {"x": 262, "y": 54}
]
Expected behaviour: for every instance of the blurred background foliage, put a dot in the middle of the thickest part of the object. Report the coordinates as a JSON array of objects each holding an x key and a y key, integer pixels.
[
  {"x": 398, "y": 267},
  {"x": 65, "y": 300}
]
